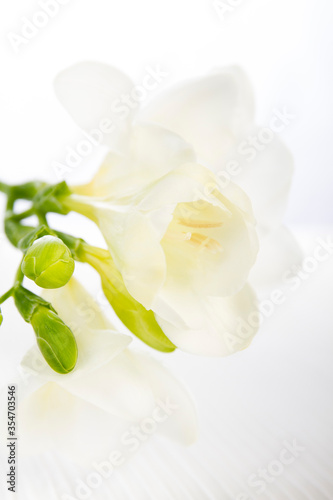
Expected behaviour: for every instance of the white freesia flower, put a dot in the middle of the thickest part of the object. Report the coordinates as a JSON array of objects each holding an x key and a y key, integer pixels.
[
  {"x": 184, "y": 249},
  {"x": 183, "y": 239},
  {"x": 85, "y": 414}
]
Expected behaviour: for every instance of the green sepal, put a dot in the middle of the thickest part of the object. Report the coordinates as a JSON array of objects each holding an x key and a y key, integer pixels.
[
  {"x": 74, "y": 244},
  {"x": 48, "y": 199},
  {"x": 27, "y": 302},
  {"x": 15, "y": 231},
  {"x": 136, "y": 318},
  {"x": 140, "y": 321},
  {"x": 25, "y": 242}
]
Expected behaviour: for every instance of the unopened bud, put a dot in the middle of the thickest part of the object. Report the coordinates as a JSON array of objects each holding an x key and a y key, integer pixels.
[
  {"x": 55, "y": 340},
  {"x": 48, "y": 262}
]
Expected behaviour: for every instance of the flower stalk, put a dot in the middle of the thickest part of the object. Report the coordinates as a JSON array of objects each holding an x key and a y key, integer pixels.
[{"x": 6, "y": 295}]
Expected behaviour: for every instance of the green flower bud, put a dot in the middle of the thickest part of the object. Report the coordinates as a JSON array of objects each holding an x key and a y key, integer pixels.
[
  {"x": 55, "y": 340},
  {"x": 48, "y": 262}
]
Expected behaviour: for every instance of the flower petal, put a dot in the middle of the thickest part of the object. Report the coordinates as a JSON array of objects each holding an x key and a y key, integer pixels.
[
  {"x": 57, "y": 418},
  {"x": 52, "y": 419},
  {"x": 131, "y": 386},
  {"x": 135, "y": 247},
  {"x": 180, "y": 421},
  {"x": 212, "y": 260},
  {"x": 266, "y": 179},
  {"x": 210, "y": 112},
  {"x": 153, "y": 152},
  {"x": 77, "y": 307},
  {"x": 278, "y": 255},
  {"x": 224, "y": 330},
  {"x": 92, "y": 92}
]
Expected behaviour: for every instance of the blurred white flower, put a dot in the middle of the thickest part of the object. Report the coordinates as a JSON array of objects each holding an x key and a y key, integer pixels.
[{"x": 85, "y": 414}]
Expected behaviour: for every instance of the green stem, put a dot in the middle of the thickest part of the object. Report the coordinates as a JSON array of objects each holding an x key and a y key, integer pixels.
[
  {"x": 80, "y": 204},
  {"x": 5, "y": 188},
  {"x": 26, "y": 191},
  {"x": 94, "y": 252},
  {"x": 10, "y": 206},
  {"x": 42, "y": 219},
  {"x": 19, "y": 276},
  {"x": 6, "y": 295},
  {"x": 23, "y": 215}
]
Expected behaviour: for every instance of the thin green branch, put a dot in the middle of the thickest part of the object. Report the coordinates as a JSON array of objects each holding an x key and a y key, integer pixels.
[
  {"x": 23, "y": 215},
  {"x": 6, "y": 295},
  {"x": 19, "y": 276},
  {"x": 42, "y": 219},
  {"x": 5, "y": 188}
]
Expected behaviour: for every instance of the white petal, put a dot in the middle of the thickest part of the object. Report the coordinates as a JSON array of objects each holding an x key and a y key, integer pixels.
[
  {"x": 96, "y": 349},
  {"x": 223, "y": 269},
  {"x": 180, "y": 423},
  {"x": 57, "y": 414},
  {"x": 91, "y": 92},
  {"x": 52, "y": 419},
  {"x": 153, "y": 152},
  {"x": 181, "y": 306},
  {"x": 77, "y": 307},
  {"x": 108, "y": 180},
  {"x": 278, "y": 255},
  {"x": 226, "y": 328},
  {"x": 135, "y": 247},
  {"x": 135, "y": 389},
  {"x": 210, "y": 112},
  {"x": 266, "y": 179},
  {"x": 131, "y": 386},
  {"x": 116, "y": 387}
]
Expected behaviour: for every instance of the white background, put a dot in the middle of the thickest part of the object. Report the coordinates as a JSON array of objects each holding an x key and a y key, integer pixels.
[{"x": 285, "y": 47}]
